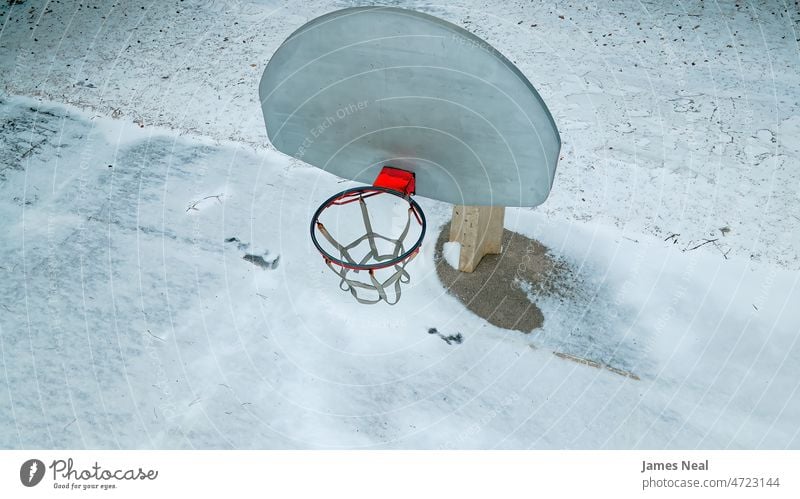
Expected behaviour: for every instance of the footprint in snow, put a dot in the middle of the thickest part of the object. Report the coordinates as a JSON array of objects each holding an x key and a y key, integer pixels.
[
  {"x": 449, "y": 339},
  {"x": 260, "y": 260}
]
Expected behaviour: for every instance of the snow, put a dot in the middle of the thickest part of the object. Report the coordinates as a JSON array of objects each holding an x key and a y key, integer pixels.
[
  {"x": 133, "y": 148},
  {"x": 452, "y": 252},
  {"x": 673, "y": 120}
]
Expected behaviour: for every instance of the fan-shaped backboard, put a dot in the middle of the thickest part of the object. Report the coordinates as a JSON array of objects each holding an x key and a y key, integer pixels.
[{"x": 361, "y": 88}]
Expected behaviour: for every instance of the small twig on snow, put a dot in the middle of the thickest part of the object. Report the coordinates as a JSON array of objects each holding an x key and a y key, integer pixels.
[
  {"x": 33, "y": 147},
  {"x": 156, "y": 337},
  {"x": 193, "y": 205},
  {"x": 701, "y": 244}
]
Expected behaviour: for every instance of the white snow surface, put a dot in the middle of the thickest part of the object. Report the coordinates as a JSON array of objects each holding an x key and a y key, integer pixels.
[
  {"x": 135, "y": 176},
  {"x": 451, "y": 252}
]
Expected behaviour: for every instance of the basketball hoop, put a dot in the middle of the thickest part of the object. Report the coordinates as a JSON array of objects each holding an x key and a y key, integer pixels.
[{"x": 392, "y": 256}]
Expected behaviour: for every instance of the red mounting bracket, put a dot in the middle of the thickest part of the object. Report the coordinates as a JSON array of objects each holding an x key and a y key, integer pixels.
[{"x": 396, "y": 180}]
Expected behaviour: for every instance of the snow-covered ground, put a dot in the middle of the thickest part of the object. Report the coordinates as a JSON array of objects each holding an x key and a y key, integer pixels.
[{"x": 129, "y": 317}]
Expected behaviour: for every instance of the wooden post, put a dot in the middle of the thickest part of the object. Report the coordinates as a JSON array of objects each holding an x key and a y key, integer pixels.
[{"x": 479, "y": 229}]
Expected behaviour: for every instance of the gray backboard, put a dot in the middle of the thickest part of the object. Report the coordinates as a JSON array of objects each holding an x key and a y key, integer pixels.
[{"x": 361, "y": 88}]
